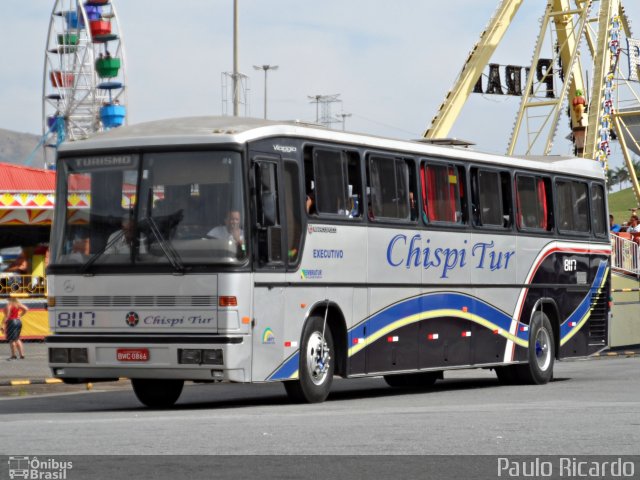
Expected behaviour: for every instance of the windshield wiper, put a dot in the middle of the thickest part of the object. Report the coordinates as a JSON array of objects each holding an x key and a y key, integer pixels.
[
  {"x": 97, "y": 255},
  {"x": 165, "y": 246}
]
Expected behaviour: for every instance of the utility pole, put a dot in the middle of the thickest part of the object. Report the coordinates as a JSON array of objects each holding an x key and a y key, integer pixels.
[
  {"x": 266, "y": 68},
  {"x": 325, "y": 101}
]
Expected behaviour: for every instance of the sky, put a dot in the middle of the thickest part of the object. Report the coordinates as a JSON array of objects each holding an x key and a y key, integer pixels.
[{"x": 392, "y": 62}]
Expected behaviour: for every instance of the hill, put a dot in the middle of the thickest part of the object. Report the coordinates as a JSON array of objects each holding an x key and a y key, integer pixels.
[
  {"x": 15, "y": 147},
  {"x": 620, "y": 203}
]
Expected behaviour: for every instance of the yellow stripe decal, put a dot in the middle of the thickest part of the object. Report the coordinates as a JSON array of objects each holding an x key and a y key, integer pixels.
[{"x": 402, "y": 322}]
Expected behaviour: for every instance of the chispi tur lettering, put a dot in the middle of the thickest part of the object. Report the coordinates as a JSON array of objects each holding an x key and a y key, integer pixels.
[{"x": 409, "y": 253}]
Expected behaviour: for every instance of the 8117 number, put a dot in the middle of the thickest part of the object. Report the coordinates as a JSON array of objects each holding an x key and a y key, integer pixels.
[{"x": 76, "y": 319}]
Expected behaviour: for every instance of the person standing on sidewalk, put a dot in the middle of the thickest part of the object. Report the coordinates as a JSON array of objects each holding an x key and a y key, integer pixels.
[{"x": 12, "y": 326}]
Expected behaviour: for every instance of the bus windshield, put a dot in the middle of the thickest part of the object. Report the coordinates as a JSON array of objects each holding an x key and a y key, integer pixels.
[{"x": 173, "y": 208}]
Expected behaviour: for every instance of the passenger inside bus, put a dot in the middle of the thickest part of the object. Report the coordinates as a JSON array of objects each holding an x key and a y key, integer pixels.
[
  {"x": 311, "y": 203},
  {"x": 121, "y": 241}
]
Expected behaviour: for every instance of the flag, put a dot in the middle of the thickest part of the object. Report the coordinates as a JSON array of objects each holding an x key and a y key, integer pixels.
[{"x": 634, "y": 59}]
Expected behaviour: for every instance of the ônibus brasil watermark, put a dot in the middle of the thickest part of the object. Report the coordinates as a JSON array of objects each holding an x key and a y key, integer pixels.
[{"x": 35, "y": 468}]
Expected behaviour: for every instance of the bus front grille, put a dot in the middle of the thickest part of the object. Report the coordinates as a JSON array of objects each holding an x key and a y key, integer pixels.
[{"x": 138, "y": 301}]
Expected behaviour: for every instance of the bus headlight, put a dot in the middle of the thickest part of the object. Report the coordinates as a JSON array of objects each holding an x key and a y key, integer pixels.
[
  {"x": 68, "y": 355},
  {"x": 59, "y": 355},
  {"x": 189, "y": 356},
  {"x": 212, "y": 357},
  {"x": 199, "y": 357},
  {"x": 78, "y": 355}
]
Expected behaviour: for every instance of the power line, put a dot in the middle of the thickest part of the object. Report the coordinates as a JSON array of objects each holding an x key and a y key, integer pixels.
[{"x": 414, "y": 134}]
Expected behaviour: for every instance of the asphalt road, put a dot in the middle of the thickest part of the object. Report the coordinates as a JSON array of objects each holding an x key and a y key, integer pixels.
[{"x": 592, "y": 407}]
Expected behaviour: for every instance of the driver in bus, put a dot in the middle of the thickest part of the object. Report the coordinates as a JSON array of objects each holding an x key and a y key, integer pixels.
[{"x": 230, "y": 231}]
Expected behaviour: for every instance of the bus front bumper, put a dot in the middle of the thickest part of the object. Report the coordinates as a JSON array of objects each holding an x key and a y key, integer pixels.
[{"x": 200, "y": 358}]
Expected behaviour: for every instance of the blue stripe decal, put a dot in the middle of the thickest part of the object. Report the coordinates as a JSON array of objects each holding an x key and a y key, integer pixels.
[
  {"x": 438, "y": 301},
  {"x": 287, "y": 369}
]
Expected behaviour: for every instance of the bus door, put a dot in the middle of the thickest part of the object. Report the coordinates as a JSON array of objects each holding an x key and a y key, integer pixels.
[{"x": 269, "y": 260}]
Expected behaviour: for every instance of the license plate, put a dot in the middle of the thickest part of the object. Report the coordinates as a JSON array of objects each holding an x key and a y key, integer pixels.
[{"x": 132, "y": 354}]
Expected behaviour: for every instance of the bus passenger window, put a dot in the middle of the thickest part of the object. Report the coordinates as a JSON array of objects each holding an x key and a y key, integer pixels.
[
  {"x": 391, "y": 188},
  {"x": 532, "y": 203},
  {"x": 292, "y": 208},
  {"x": 598, "y": 209},
  {"x": 442, "y": 188},
  {"x": 332, "y": 181},
  {"x": 573, "y": 206},
  {"x": 491, "y": 198}
]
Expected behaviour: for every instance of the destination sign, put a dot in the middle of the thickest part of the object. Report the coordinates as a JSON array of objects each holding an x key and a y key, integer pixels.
[{"x": 100, "y": 162}]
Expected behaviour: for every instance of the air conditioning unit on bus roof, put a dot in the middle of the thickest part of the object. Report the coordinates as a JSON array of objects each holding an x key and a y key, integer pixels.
[{"x": 447, "y": 142}]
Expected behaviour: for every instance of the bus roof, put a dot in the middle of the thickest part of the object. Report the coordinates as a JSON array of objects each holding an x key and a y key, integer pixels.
[{"x": 214, "y": 130}]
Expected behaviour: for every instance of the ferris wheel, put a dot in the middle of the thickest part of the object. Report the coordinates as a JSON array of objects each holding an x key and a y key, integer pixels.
[{"x": 84, "y": 72}]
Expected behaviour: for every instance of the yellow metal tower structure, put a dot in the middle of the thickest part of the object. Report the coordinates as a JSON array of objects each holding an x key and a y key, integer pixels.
[
  {"x": 472, "y": 69},
  {"x": 594, "y": 115}
]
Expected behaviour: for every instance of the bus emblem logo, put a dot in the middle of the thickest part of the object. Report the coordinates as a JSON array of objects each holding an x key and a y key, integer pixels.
[
  {"x": 268, "y": 338},
  {"x": 132, "y": 319}
]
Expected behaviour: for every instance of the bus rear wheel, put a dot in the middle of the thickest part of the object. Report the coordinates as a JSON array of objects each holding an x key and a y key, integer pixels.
[
  {"x": 541, "y": 353},
  {"x": 157, "y": 393},
  {"x": 315, "y": 369},
  {"x": 412, "y": 380}
]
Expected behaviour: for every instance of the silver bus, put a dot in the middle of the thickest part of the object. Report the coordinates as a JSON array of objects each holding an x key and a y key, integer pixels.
[{"x": 234, "y": 249}]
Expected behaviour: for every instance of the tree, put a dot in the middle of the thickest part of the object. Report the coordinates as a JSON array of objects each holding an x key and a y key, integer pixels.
[
  {"x": 636, "y": 167},
  {"x": 622, "y": 176},
  {"x": 612, "y": 179}
]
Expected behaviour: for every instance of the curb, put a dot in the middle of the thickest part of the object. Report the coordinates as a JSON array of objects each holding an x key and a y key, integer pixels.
[
  {"x": 19, "y": 382},
  {"x": 37, "y": 381},
  {"x": 622, "y": 353}
]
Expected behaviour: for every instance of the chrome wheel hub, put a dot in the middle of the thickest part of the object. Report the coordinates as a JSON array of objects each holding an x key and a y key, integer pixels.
[
  {"x": 543, "y": 349},
  {"x": 317, "y": 358}
]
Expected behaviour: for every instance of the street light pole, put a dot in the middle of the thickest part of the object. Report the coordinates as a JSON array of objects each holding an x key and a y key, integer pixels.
[
  {"x": 236, "y": 87},
  {"x": 343, "y": 116},
  {"x": 266, "y": 68}
]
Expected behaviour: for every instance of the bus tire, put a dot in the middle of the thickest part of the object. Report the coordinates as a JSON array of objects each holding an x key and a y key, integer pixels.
[
  {"x": 157, "y": 393},
  {"x": 316, "y": 366},
  {"x": 541, "y": 353},
  {"x": 412, "y": 380}
]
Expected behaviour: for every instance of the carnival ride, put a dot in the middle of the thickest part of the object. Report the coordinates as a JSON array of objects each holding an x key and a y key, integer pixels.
[
  {"x": 84, "y": 82},
  {"x": 573, "y": 32},
  {"x": 610, "y": 110},
  {"x": 84, "y": 92}
]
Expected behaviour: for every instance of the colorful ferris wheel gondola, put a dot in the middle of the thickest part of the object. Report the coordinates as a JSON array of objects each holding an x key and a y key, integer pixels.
[{"x": 84, "y": 84}]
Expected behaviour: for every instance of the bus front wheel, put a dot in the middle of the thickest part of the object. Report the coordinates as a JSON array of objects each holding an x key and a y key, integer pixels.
[
  {"x": 541, "y": 354},
  {"x": 316, "y": 365},
  {"x": 157, "y": 393}
]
